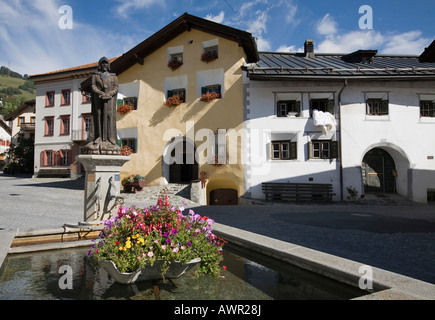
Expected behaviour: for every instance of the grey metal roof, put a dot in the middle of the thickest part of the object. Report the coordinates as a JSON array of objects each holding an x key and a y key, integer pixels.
[{"x": 329, "y": 66}]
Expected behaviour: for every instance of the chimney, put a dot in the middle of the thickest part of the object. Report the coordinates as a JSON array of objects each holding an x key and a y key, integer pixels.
[{"x": 309, "y": 48}]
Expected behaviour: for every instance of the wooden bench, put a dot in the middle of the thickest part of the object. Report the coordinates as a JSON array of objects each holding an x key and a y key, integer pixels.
[
  {"x": 54, "y": 172},
  {"x": 276, "y": 191}
]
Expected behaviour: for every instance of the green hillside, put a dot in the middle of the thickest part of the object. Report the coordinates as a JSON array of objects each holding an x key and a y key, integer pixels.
[{"x": 14, "y": 90}]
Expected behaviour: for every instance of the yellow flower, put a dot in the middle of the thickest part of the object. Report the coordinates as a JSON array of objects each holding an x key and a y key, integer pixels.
[{"x": 121, "y": 248}]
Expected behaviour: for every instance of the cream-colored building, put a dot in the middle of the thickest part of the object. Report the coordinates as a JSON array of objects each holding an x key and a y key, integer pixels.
[{"x": 159, "y": 133}]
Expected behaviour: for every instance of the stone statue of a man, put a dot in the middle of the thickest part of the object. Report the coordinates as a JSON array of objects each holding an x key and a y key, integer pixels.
[{"x": 104, "y": 92}]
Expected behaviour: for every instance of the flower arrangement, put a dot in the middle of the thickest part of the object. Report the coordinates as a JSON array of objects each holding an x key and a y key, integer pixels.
[
  {"x": 139, "y": 237},
  {"x": 174, "y": 64},
  {"x": 209, "y": 56},
  {"x": 174, "y": 101},
  {"x": 125, "y": 108},
  {"x": 132, "y": 178},
  {"x": 126, "y": 150},
  {"x": 209, "y": 96}
]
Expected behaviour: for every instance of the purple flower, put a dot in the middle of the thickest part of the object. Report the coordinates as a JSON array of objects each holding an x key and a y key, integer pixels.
[
  {"x": 166, "y": 234},
  {"x": 189, "y": 244},
  {"x": 168, "y": 241},
  {"x": 174, "y": 231}
]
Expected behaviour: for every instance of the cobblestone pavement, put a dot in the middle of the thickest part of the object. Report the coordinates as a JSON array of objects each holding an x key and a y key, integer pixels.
[{"x": 388, "y": 233}]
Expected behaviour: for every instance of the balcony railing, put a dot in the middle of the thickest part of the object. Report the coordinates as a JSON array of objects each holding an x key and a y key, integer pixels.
[{"x": 27, "y": 126}]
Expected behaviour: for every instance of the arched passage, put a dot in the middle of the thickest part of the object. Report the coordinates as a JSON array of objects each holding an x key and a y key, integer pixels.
[
  {"x": 385, "y": 169},
  {"x": 179, "y": 162}
]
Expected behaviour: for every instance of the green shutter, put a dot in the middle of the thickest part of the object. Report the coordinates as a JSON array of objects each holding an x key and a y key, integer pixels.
[
  {"x": 331, "y": 106},
  {"x": 220, "y": 90},
  {"x": 203, "y": 90},
  {"x": 298, "y": 108},
  {"x": 170, "y": 93},
  {"x": 120, "y": 101},
  {"x": 310, "y": 150},
  {"x": 293, "y": 150},
  {"x": 384, "y": 107},
  {"x": 120, "y": 143},
  {"x": 135, "y": 145}
]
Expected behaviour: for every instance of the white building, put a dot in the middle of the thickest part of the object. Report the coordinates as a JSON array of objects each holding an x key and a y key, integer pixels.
[
  {"x": 381, "y": 135},
  {"x": 5, "y": 141},
  {"x": 63, "y": 119}
]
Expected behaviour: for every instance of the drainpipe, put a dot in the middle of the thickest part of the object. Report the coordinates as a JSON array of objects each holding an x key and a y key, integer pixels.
[{"x": 340, "y": 140}]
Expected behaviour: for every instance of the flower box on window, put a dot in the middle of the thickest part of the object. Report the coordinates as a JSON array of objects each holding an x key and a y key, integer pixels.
[
  {"x": 210, "y": 96},
  {"x": 209, "y": 56},
  {"x": 125, "y": 108},
  {"x": 174, "y": 64},
  {"x": 174, "y": 101}
]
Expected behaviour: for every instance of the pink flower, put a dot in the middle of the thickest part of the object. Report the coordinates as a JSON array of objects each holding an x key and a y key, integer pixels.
[
  {"x": 150, "y": 254},
  {"x": 183, "y": 248},
  {"x": 175, "y": 250},
  {"x": 164, "y": 247}
]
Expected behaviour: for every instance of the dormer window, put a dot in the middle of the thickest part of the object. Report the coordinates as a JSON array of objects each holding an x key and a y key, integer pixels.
[
  {"x": 175, "y": 61},
  {"x": 210, "y": 50}
]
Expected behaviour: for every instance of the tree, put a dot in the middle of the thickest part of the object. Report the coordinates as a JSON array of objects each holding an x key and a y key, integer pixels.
[{"x": 21, "y": 157}]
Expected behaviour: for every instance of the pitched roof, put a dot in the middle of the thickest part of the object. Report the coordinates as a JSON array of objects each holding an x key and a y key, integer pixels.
[
  {"x": 184, "y": 23},
  {"x": 5, "y": 127},
  {"x": 85, "y": 67},
  {"x": 11, "y": 116},
  {"x": 339, "y": 66}
]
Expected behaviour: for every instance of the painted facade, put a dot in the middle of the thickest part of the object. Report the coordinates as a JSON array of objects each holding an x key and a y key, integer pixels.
[
  {"x": 5, "y": 141},
  {"x": 382, "y": 141},
  {"x": 194, "y": 124}
]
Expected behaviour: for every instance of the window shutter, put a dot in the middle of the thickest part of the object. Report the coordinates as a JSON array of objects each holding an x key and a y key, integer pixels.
[
  {"x": 384, "y": 107},
  {"x": 219, "y": 90},
  {"x": 293, "y": 150},
  {"x": 59, "y": 158},
  {"x": 120, "y": 143},
  {"x": 331, "y": 106},
  {"x": 334, "y": 149},
  {"x": 43, "y": 159},
  {"x": 170, "y": 93},
  {"x": 120, "y": 101},
  {"x": 184, "y": 95},
  {"x": 310, "y": 150},
  {"x": 203, "y": 90},
  {"x": 298, "y": 108},
  {"x": 135, "y": 145}
]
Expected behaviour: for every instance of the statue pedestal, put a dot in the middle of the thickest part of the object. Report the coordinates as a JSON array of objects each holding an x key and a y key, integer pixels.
[{"x": 102, "y": 185}]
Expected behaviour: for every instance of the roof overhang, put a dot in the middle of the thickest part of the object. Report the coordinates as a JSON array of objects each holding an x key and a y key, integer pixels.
[{"x": 185, "y": 23}]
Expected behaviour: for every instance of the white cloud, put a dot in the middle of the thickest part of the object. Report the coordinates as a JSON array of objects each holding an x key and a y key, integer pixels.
[
  {"x": 32, "y": 42},
  {"x": 218, "y": 19},
  {"x": 263, "y": 44},
  {"x": 350, "y": 42},
  {"x": 327, "y": 26},
  {"x": 126, "y": 6},
  {"x": 406, "y": 43}
]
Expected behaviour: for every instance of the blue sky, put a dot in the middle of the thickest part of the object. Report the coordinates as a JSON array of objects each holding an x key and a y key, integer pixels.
[{"x": 32, "y": 42}]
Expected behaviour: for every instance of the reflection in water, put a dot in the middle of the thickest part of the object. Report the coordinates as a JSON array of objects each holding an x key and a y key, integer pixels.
[{"x": 248, "y": 276}]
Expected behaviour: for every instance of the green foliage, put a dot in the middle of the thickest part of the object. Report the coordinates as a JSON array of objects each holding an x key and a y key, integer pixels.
[{"x": 21, "y": 157}]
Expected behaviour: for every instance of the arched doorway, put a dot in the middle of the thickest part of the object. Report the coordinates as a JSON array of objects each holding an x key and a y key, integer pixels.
[
  {"x": 185, "y": 168},
  {"x": 379, "y": 172}
]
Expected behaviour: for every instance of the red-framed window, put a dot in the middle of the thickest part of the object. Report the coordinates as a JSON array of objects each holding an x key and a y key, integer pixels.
[
  {"x": 66, "y": 97},
  {"x": 65, "y": 125},
  {"x": 49, "y": 99},
  {"x": 49, "y": 126}
]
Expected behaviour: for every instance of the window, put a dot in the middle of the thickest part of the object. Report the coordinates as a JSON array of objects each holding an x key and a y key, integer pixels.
[
  {"x": 65, "y": 125},
  {"x": 178, "y": 92},
  {"x": 86, "y": 97},
  {"x": 129, "y": 142},
  {"x": 377, "y": 107},
  {"x": 47, "y": 158},
  {"x": 427, "y": 108},
  {"x": 21, "y": 121},
  {"x": 32, "y": 120},
  {"x": 49, "y": 99},
  {"x": 64, "y": 157},
  {"x": 210, "y": 54},
  {"x": 49, "y": 126},
  {"x": 284, "y": 150},
  {"x": 431, "y": 196},
  {"x": 216, "y": 88},
  {"x": 66, "y": 97},
  {"x": 324, "y": 105},
  {"x": 289, "y": 108},
  {"x": 323, "y": 149}
]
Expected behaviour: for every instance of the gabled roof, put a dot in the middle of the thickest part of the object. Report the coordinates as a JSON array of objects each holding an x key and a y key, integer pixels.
[
  {"x": 184, "y": 23},
  {"x": 278, "y": 66},
  {"x": 86, "y": 68},
  {"x": 5, "y": 127},
  {"x": 13, "y": 115}
]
